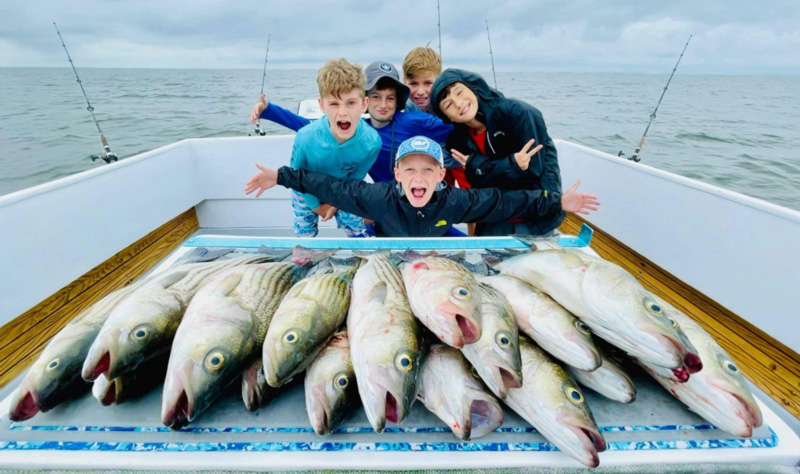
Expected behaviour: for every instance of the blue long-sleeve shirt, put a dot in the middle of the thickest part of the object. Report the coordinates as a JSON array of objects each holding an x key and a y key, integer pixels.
[
  {"x": 402, "y": 127},
  {"x": 316, "y": 149}
]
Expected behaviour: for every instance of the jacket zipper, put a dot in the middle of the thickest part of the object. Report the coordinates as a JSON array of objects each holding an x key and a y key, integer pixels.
[{"x": 489, "y": 142}]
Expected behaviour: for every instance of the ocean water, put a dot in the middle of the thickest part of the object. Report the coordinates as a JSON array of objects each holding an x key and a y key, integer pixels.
[{"x": 738, "y": 132}]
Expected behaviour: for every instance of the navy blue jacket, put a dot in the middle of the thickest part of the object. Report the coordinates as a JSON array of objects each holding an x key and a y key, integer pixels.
[
  {"x": 394, "y": 216},
  {"x": 510, "y": 123}
]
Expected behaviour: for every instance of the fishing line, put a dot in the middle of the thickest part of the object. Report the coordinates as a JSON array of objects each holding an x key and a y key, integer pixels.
[
  {"x": 491, "y": 55},
  {"x": 258, "y": 130},
  {"x": 107, "y": 156},
  {"x": 439, "y": 25},
  {"x": 635, "y": 156}
]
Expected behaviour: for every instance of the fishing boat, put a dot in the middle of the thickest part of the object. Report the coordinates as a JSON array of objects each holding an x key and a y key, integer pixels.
[{"x": 727, "y": 260}]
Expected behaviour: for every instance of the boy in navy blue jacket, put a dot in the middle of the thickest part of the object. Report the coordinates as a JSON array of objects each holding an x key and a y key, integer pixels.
[{"x": 419, "y": 204}]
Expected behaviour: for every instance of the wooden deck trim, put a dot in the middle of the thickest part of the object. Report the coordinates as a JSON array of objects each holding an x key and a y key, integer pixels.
[
  {"x": 771, "y": 365},
  {"x": 24, "y": 337}
]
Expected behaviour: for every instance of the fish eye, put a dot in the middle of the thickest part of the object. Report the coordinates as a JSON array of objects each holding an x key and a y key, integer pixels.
[
  {"x": 53, "y": 364},
  {"x": 341, "y": 381},
  {"x": 141, "y": 333},
  {"x": 215, "y": 361},
  {"x": 503, "y": 339},
  {"x": 730, "y": 366},
  {"x": 461, "y": 292},
  {"x": 573, "y": 394},
  {"x": 582, "y": 327},
  {"x": 291, "y": 337},
  {"x": 404, "y": 362},
  {"x": 674, "y": 323},
  {"x": 654, "y": 308}
]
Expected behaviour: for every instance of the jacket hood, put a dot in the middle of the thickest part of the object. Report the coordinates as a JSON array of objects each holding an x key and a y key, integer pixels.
[{"x": 475, "y": 82}]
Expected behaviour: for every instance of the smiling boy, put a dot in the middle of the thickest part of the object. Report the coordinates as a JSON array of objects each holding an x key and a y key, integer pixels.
[
  {"x": 338, "y": 144},
  {"x": 493, "y": 138},
  {"x": 419, "y": 204}
]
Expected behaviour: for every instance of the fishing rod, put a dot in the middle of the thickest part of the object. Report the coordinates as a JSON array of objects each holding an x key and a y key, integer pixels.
[
  {"x": 491, "y": 55},
  {"x": 258, "y": 130},
  {"x": 635, "y": 156},
  {"x": 107, "y": 155},
  {"x": 439, "y": 25}
]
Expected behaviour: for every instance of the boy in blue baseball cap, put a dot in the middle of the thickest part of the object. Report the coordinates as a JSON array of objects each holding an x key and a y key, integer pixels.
[{"x": 418, "y": 203}]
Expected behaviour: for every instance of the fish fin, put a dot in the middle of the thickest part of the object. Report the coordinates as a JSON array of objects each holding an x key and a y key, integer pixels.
[
  {"x": 308, "y": 257},
  {"x": 297, "y": 288},
  {"x": 278, "y": 255},
  {"x": 344, "y": 264},
  {"x": 229, "y": 283},
  {"x": 369, "y": 253},
  {"x": 170, "y": 277},
  {"x": 377, "y": 293},
  {"x": 202, "y": 254}
]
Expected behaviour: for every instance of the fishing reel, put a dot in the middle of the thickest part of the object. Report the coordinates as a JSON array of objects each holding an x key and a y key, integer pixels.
[
  {"x": 108, "y": 156},
  {"x": 634, "y": 157},
  {"x": 258, "y": 131}
]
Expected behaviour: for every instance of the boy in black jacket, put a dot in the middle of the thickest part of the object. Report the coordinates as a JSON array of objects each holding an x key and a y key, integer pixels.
[
  {"x": 493, "y": 139},
  {"x": 418, "y": 203}
]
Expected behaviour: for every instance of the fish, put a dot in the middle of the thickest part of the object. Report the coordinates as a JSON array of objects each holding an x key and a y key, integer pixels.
[
  {"x": 309, "y": 314},
  {"x": 144, "y": 324},
  {"x": 55, "y": 376},
  {"x": 256, "y": 392},
  {"x": 451, "y": 390},
  {"x": 330, "y": 385},
  {"x": 609, "y": 380},
  {"x": 495, "y": 355},
  {"x": 552, "y": 402},
  {"x": 221, "y": 332},
  {"x": 552, "y": 327},
  {"x": 719, "y": 393},
  {"x": 444, "y": 296},
  {"x": 130, "y": 386},
  {"x": 384, "y": 341},
  {"x": 607, "y": 298}
]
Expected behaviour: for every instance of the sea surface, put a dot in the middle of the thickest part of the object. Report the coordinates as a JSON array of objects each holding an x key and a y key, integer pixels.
[{"x": 738, "y": 132}]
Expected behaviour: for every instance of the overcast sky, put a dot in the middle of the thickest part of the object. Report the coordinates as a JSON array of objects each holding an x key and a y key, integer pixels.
[{"x": 730, "y": 37}]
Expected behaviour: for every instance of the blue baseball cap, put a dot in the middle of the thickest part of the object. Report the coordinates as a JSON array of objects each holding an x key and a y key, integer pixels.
[{"x": 421, "y": 145}]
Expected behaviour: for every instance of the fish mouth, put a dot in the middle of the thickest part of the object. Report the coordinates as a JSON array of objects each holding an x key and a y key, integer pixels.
[
  {"x": 392, "y": 414},
  {"x": 590, "y": 439},
  {"x": 469, "y": 330},
  {"x": 321, "y": 417},
  {"x": 23, "y": 407},
  {"x": 176, "y": 411},
  {"x": 681, "y": 374},
  {"x": 743, "y": 409},
  {"x": 510, "y": 378},
  {"x": 692, "y": 362},
  {"x": 484, "y": 417},
  {"x": 97, "y": 363},
  {"x": 110, "y": 397}
]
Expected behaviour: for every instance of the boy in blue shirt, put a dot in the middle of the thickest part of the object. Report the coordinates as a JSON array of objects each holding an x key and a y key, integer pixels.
[{"x": 338, "y": 144}]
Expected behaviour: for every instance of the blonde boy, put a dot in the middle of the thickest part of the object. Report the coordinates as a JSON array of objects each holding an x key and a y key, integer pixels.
[
  {"x": 420, "y": 69},
  {"x": 339, "y": 145}
]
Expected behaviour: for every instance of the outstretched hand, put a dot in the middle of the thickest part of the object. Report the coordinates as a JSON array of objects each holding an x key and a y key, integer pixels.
[
  {"x": 573, "y": 201},
  {"x": 260, "y": 107},
  {"x": 261, "y": 181},
  {"x": 325, "y": 211}
]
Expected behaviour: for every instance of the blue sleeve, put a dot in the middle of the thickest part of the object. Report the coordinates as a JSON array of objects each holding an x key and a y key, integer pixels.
[
  {"x": 434, "y": 128},
  {"x": 298, "y": 162},
  {"x": 276, "y": 113}
]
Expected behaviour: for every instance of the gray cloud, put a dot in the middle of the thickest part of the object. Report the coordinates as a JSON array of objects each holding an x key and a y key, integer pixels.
[{"x": 615, "y": 35}]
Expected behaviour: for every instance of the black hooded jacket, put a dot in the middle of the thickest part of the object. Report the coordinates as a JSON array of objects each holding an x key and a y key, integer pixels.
[
  {"x": 394, "y": 216},
  {"x": 510, "y": 124}
]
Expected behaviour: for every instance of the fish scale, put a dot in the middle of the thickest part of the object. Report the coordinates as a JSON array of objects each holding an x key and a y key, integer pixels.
[{"x": 264, "y": 303}]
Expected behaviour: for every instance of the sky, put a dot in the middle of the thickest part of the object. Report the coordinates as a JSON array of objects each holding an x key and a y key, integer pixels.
[{"x": 620, "y": 36}]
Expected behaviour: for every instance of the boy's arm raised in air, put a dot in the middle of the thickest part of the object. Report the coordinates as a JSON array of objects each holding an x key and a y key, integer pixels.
[
  {"x": 495, "y": 205},
  {"x": 484, "y": 172},
  {"x": 367, "y": 200},
  {"x": 529, "y": 124},
  {"x": 277, "y": 114}
]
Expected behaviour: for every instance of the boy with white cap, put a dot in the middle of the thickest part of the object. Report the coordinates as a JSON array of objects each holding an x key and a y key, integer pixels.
[{"x": 418, "y": 203}]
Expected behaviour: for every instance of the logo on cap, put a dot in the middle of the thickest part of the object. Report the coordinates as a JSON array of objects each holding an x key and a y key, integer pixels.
[
  {"x": 386, "y": 67},
  {"x": 419, "y": 144}
]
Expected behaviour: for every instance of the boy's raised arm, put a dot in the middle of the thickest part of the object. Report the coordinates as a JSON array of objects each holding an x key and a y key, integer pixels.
[
  {"x": 495, "y": 205},
  {"x": 276, "y": 113},
  {"x": 484, "y": 172},
  {"x": 367, "y": 200}
]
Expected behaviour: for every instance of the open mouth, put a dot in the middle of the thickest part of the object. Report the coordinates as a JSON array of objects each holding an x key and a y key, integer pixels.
[
  {"x": 343, "y": 125},
  {"x": 391, "y": 408},
  {"x": 180, "y": 413},
  {"x": 418, "y": 192},
  {"x": 693, "y": 363},
  {"x": 510, "y": 379},
  {"x": 468, "y": 329},
  {"x": 102, "y": 367},
  {"x": 25, "y": 409}
]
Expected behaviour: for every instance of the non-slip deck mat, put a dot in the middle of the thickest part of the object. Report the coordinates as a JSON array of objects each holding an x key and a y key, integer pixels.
[{"x": 655, "y": 421}]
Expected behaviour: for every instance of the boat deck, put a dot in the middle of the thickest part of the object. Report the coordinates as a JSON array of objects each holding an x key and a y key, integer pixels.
[{"x": 81, "y": 434}]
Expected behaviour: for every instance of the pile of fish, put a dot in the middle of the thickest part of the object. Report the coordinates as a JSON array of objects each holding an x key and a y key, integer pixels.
[{"x": 387, "y": 329}]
